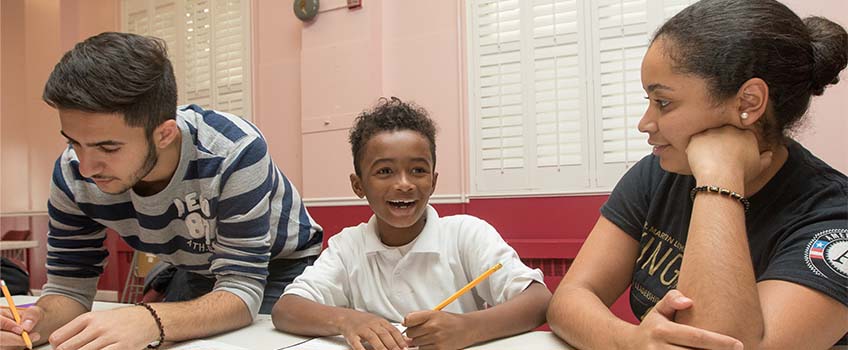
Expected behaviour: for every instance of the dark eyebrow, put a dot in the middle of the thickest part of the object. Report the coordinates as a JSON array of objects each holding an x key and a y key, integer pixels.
[
  {"x": 381, "y": 160},
  {"x": 94, "y": 144},
  {"x": 391, "y": 160},
  {"x": 658, "y": 86}
]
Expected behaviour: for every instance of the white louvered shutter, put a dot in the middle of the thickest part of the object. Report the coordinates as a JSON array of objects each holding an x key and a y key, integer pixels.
[
  {"x": 160, "y": 18},
  {"x": 136, "y": 19},
  {"x": 155, "y": 18},
  {"x": 198, "y": 53},
  {"x": 501, "y": 155},
  {"x": 559, "y": 95},
  {"x": 209, "y": 46},
  {"x": 621, "y": 39},
  {"x": 556, "y": 92},
  {"x": 622, "y": 31},
  {"x": 230, "y": 56},
  {"x": 164, "y": 24}
]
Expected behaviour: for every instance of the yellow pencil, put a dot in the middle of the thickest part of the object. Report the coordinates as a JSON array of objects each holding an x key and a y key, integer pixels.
[
  {"x": 468, "y": 287},
  {"x": 15, "y": 313},
  {"x": 464, "y": 290}
]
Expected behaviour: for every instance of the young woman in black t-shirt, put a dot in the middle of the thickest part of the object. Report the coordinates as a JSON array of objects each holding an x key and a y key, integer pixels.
[{"x": 726, "y": 80}]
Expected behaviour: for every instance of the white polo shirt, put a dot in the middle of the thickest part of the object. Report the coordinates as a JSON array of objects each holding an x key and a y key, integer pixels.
[{"x": 358, "y": 271}]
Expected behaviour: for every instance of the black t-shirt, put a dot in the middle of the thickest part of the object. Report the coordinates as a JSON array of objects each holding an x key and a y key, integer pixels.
[{"x": 797, "y": 226}]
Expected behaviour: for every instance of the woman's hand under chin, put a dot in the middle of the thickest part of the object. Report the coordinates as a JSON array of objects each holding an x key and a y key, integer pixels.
[{"x": 726, "y": 157}]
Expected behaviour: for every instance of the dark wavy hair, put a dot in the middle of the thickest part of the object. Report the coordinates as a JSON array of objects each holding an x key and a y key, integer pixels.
[
  {"x": 728, "y": 42},
  {"x": 390, "y": 115},
  {"x": 116, "y": 72}
]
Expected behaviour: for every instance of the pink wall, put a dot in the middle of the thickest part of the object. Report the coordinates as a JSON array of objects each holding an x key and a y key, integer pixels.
[
  {"x": 14, "y": 160},
  {"x": 827, "y": 121},
  {"x": 42, "y": 20},
  {"x": 414, "y": 50},
  {"x": 387, "y": 48},
  {"x": 341, "y": 72},
  {"x": 421, "y": 62},
  {"x": 35, "y": 33},
  {"x": 276, "y": 83}
]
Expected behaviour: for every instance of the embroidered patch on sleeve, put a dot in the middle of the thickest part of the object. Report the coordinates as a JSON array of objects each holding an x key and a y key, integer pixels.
[{"x": 827, "y": 254}]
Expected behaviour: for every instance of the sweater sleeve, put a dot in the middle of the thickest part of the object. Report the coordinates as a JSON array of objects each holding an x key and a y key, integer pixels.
[{"x": 76, "y": 255}]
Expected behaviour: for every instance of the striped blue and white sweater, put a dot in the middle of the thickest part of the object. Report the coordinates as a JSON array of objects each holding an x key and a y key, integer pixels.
[{"x": 226, "y": 212}]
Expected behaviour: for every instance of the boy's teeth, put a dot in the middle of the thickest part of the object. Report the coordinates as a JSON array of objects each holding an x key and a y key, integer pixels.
[{"x": 402, "y": 204}]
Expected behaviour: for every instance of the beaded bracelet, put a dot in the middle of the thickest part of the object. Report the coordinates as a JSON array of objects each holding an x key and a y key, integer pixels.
[
  {"x": 158, "y": 343},
  {"x": 721, "y": 191}
]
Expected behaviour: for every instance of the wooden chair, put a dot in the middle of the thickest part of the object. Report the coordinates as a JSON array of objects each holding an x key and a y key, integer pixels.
[{"x": 139, "y": 268}]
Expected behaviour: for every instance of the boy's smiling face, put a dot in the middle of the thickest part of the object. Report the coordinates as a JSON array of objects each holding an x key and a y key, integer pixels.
[{"x": 397, "y": 179}]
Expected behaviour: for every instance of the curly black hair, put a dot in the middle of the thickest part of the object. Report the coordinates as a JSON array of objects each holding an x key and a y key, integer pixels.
[{"x": 390, "y": 114}]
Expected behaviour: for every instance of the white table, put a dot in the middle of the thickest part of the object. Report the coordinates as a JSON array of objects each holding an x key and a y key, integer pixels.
[{"x": 262, "y": 335}]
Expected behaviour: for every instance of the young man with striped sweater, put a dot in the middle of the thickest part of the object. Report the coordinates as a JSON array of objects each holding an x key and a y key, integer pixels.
[{"x": 195, "y": 187}]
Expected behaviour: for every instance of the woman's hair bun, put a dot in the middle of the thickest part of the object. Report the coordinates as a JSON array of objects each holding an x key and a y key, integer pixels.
[{"x": 830, "y": 51}]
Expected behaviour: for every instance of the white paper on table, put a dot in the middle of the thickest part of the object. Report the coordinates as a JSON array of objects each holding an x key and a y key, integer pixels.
[
  {"x": 336, "y": 342},
  {"x": 204, "y": 345},
  {"x": 324, "y": 343}
]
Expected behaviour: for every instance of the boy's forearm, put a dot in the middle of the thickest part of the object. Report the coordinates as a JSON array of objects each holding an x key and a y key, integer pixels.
[
  {"x": 579, "y": 317},
  {"x": 521, "y": 314},
  {"x": 298, "y": 315}
]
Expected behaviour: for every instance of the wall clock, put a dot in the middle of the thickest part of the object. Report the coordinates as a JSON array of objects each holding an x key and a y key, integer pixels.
[{"x": 305, "y": 10}]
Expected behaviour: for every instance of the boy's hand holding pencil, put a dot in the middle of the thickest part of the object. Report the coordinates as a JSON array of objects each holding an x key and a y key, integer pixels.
[
  {"x": 447, "y": 329},
  {"x": 13, "y": 332}
]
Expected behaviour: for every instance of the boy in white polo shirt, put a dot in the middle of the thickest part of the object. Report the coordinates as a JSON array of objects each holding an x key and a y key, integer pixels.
[{"x": 406, "y": 258}]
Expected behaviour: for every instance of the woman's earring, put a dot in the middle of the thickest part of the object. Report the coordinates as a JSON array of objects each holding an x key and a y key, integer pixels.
[{"x": 744, "y": 115}]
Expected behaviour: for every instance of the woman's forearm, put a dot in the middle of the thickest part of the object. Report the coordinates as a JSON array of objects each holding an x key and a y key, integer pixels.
[
  {"x": 717, "y": 272},
  {"x": 580, "y": 318}
]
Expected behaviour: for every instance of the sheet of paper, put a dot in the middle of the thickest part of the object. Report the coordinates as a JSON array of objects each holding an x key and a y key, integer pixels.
[
  {"x": 204, "y": 345},
  {"x": 326, "y": 343},
  {"x": 331, "y": 343}
]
